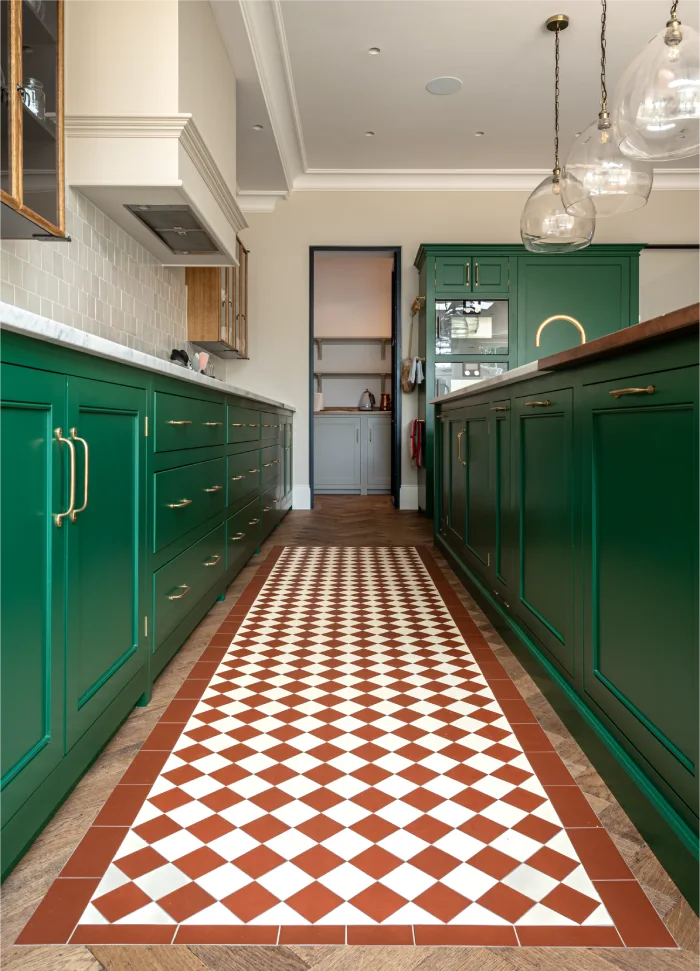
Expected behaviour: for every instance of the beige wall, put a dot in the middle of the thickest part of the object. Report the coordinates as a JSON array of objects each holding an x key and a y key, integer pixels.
[
  {"x": 279, "y": 272},
  {"x": 352, "y": 296},
  {"x": 668, "y": 278}
]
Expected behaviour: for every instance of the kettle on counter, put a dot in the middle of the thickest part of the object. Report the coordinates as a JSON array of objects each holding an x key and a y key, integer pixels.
[{"x": 367, "y": 401}]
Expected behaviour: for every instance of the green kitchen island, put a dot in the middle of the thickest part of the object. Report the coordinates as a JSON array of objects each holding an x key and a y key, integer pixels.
[{"x": 566, "y": 497}]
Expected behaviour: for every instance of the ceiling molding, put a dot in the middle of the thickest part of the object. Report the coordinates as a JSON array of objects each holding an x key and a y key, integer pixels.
[
  {"x": 263, "y": 201},
  {"x": 289, "y": 77},
  {"x": 180, "y": 127},
  {"x": 457, "y": 180},
  {"x": 269, "y": 50}
]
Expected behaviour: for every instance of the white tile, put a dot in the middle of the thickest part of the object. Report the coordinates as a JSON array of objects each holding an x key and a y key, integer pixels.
[
  {"x": 189, "y": 813},
  {"x": 216, "y": 914},
  {"x": 298, "y": 786},
  {"x": 497, "y": 788},
  {"x": 443, "y": 786},
  {"x": 162, "y": 881},
  {"x": 294, "y": 813},
  {"x": 501, "y": 812},
  {"x": 347, "y": 786},
  {"x": 303, "y": 762},
  {"x": 223, "y": 881},
  {"x": 517, "y": 845},
  {"x": 408, "y": 881},
  {"x": 541, "y": 916},
  {"x": 451, "y": 813},
  {"x": 346, "y": 844},
  {"x": 234, "y": 844},
  {"x": 257, "y": 762},
  {"x": 290, "y": 844},
  {"x": 395, "y": 786},
  {"x": 460, "y": 845},
  {"x": 249, "y": 786},
  {"x": 346, "y": 880},
  {"x": 399, "y": 813},
  {"x": 468, "y": 881},
  {"x": 150, "y": 914},
  {"x": 347, "y": 813},
  {"x": 285, "y": 880},
  {"x": 533, "y": 883},
  {"x": 242, "y": 813},
  {"x": 402, "y": 844}
]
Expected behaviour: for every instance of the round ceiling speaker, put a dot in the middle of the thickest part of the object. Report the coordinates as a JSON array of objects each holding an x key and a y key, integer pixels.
[{"x": 444, "y": 85}]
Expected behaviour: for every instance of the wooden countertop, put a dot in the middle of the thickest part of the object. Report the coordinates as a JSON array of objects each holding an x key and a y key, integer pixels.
[{"x": 658, "y": 328}]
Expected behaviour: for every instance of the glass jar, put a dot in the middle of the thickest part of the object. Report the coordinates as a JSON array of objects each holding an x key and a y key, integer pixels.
[{"x": 34, "y": 97}]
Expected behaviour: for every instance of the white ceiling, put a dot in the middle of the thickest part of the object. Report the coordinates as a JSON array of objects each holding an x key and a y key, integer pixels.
[{"x": 307, "y": 65}]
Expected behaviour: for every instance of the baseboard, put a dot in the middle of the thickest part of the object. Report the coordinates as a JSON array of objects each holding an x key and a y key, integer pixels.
[
  {"x": 408, "y": 497},
  {"x": 301, "y": 497}
]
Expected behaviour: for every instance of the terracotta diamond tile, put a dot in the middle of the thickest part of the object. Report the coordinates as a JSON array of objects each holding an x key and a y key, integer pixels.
[
  {"x": 374, "y": 828},
  {"x": 552, "y": 863},
  {"x": 221, "y": 799},
  {"x": 210, "y": 828},
  {"x": 170, "y": 799},
  {"x": 321, "y": 799},
  {"x": 442, "y": 902},
  {"x": 318, "y": 860},
  {"x": 427, "y": 828},
  {"x": 377, "y": 862},
  {"x": 493, "y": 862},
  {"x": 249, "y": 902},
  {"x": 122, "y": 901},
  {"x": 157, "y": 829},
  {"x": 485, "y": 830},
  {"x": 186, "y": 901},
  {"x": 572, "y": 904},
  {"x": 435, "y": 862},
  {"x": 372, "y": 799},
  {"x": 258, "y": 861},
  {"x": 199, "y": 862},
  {"x": 506, "y": 903},
  {"x": 378, "y": 902},
  {"x": 314, "y": 902},
  {"x": 271, "y": 799},
  {"x": 142, "y": 861},
  {"x": 537, "y": 829}
]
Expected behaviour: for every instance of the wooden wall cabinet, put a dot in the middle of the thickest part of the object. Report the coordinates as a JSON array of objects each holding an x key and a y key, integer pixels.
[
  {"x": 217, "y": 307},
  {"x": 32, "y": 183}
]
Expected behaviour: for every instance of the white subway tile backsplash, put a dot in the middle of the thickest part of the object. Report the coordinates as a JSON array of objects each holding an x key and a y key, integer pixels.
[{"x": 103, "y": 282}]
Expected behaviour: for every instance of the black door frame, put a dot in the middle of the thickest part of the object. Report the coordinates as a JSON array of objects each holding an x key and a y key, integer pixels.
[{"x": 395, "y": 360}]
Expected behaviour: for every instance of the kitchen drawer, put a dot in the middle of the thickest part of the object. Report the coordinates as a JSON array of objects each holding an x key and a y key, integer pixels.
[
  {"x": 182, "y": 422},
  {"x": 270, "y": 511},
  {"x": 243, "y": 474},
  {"x": 185, "y": 580},
  {"x": 287, "y": 433},
  {"x": 270, "y": 425},
  {"x": 243, "y": 533},
  {"x": 271, "y": 463},
  {"x": 186, "y": 497},
  {"x": 243, "y": 424}
]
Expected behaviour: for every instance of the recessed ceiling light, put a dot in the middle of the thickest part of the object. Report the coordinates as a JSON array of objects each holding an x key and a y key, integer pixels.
[
  {"x": 577, "y": 134},
  {"x": 478, "y": 134},
  {"x": 257, "y": 127},
  {"x": 374, "y": 50},
  {"x": 444, "y": 85},
  {"x": 369, "y": 134}
]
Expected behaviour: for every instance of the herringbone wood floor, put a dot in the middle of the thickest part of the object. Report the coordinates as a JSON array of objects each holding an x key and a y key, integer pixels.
[{"x": 337, "y": 521}]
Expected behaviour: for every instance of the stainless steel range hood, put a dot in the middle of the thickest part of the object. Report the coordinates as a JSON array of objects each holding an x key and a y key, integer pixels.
[{"x": 178, "y": 227}]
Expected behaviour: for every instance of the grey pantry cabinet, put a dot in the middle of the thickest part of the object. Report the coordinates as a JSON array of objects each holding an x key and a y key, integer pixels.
[{"x": 352, "y": 453}]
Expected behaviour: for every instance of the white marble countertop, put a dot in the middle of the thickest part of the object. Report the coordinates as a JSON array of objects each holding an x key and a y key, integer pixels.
[
  {"x": 43, "y": 328},
  {"x": 509, "y": 377}
]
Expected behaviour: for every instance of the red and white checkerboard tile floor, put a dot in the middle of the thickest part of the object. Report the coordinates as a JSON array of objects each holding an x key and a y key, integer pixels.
[{"x": 352, "y": 764}]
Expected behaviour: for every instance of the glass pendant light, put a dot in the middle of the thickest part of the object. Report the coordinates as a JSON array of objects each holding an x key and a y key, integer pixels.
[
  {"x": 657, "y": 105},
  {"x": 597, "y": 169},
  {"x": 545, "y": 225}
]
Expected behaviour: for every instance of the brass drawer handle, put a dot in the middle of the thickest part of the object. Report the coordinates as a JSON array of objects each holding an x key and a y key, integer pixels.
[
  {"x": 60, "y": 516},
  {"x": 178, "y": 596},
  {"x": 537, "y": 404},
  {"x": 212, "y": 424},
  {"x": 459, "y": 446},
  {"x": 253, "y": 522},
  {"x": 77, "y": 438},
  {"x": 253, "y": 471},
  {"x": 468, "y": 267},
  {"x": 252, "y": 424},
  {"x": 237, "y": 478},
  {"x": 267, "y": 465},
  {"x": 499, "y": 408},
  {"x": 267, "y": 508},
  {"x": 650, "y": 389},
  {"x": 273, "y": 425},
  {"x": 237, "y": 537},
  {"x": 275, "y": 462},
  {"x": 237, "y": 424},
  {"x": 180, "y": 504},
  {"x": 277, "y": 500},
  {"x": 179, "y": 422},
  {"x": 213, "y": 561},
  {"x": 216, "y": 488},
  {"x": 476, "y": 280}
]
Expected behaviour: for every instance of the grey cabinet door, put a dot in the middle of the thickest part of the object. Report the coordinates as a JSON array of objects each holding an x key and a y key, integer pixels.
[
  {"x": 378, "y": 452},
  {"x": 337, "y": 466}
]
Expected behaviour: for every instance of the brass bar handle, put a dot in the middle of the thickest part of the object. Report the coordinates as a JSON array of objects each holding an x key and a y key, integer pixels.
[
  {"x": 273, "y": 425},
  {"x": 499, "y": 408},
  {"x": 252, "y": 424},
  {"x": 650, "y": 389},
  {"x": 253, "y": 471},
  {"x": 216, "y": 558},
  {"x": 86, "y": 481},
  {"x": 267, "y": 465},
  {"x": 178, "y": 596},
  {"x": 469, "y": 273},
  {"x": 277, "y": 500},
  {"x": 212, "y": 424},
  {"x": 237, "y": 478},
  {"x": 537, "y": 404},
  {"x": 179, "y": 505},
  {"x": 238, "y": 537},
  {"x": 253, "y": 522},
  {"x": 60, "y": 516},
  {"x": 237, "y": 424},
  {"x": 476, "y": 275},
  {"x": 459, "y": 447},
  {"x": 179, "y": 422},
  {"x": 275, "y": 461},
  {"x": 267, "y": 508},
  {"x": 216, "y": 488}
]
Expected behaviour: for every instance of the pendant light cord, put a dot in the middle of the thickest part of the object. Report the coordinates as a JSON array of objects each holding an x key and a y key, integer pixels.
[
  {"x": 674, "y": 7},
  {"x": 556, "y": 104},
  {"x": 603, "y": 87}
]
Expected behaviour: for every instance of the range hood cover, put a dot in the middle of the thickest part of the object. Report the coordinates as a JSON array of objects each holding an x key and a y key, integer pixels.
[{"x": 177, "y": 227}]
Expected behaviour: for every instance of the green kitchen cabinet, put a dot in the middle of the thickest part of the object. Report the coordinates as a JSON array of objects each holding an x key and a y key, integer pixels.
[
  {"x": 34, "y": 489},
  {"x": 491, "y": 274},
  {"x": 478, "y": 536},
  {"x": 457, "y": 493},
  {"x": 545, "y": 510},
  {"x": 106, "y": 549},
  {"x": 453, "y": 275},
  {"x": 640, "y": 529},
  {"x": 504, "y": 543}
]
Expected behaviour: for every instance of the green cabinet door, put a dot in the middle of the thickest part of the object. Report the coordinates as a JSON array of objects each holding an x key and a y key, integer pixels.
[
  {"x": 107, "y": 549},
  {"x": 640, "y": 514},
  {"x": 34, "y": 487},
  {"x": 479, "y": 499},
  {"x": 457, "y": 468},
  {"x": 595, "y": 291},
  {"x": 442, "y": 474},
  {"x": 546, "y": 519},
  {"x": 491, "y": 273},
  {"x": 453, "y": 275},
  {"x": 504, "y": 536}
]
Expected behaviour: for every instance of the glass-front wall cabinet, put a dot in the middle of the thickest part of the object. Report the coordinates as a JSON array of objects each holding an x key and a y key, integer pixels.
[
  {"x": 471, "y": 327},
  {"x": 32, "y": 180}
]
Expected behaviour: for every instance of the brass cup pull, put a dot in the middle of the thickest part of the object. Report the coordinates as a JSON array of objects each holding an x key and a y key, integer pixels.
[
  {"x": 178, "y": 596},
  {"x": 86, "y": 481},
  {"x": 237, "y": 537},
  {"x": 216, "y": 488},
  {"x": 60, "y": 516},
  {"x": 253, "y": 471},
  {"x": 237, "y": 424},
  {"x": 253, "y": 522},
  {"x": 650, "y": 389},
  {"x": 212, "y": 424},
  {"x": 179, "y": 422},
  {"x": 179, "y": 505},
  {"x": 537, "y": 404},
  {"x": 499, "y": 408},
  {"x": 213, "y": 561},
  {"x": 237, "y": 478}
]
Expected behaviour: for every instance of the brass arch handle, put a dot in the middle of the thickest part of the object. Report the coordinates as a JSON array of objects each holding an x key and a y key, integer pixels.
[
  {"x": 178, "y": 596},
  {"x": 86, "y": 484},
  {"x": 60, "y": 516},
  {"x": 572, "y": 320}
]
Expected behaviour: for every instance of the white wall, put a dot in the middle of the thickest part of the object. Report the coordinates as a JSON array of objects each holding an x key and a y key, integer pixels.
[
  {"x": 279, "y": 272},
  {"x": 667, "y": 279},
  {"x": 352, "y": 295}
]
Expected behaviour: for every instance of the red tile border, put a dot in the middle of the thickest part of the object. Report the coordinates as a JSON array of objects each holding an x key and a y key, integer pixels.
[
  {"x": 465, "y": 936},
  {"x": 634, "y": 916},
  {"x": 95, "y": 852},
  {"x": 145, "y": 768},
  {"x": 571, "y": 806},
  {"x": 314, "y": 934},
  {"x": 225, "y": 934},
  {"x": 123, "y": 806},
  {"x": 56, "y": 916},
  {"x": 599, "y": 855},
  {"x": 380, "y": 934},
  {"x": 569, "y": 937},
  {"x": 123, "y": 934}
]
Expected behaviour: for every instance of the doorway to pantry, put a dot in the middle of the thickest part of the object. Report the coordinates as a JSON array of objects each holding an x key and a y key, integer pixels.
[{"x": 354, "y": 370}]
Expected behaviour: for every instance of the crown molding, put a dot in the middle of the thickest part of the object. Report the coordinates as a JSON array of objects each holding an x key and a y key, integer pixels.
[
  {"x": 264, "y": 200},
  {"x": 181, "y": 128}
]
